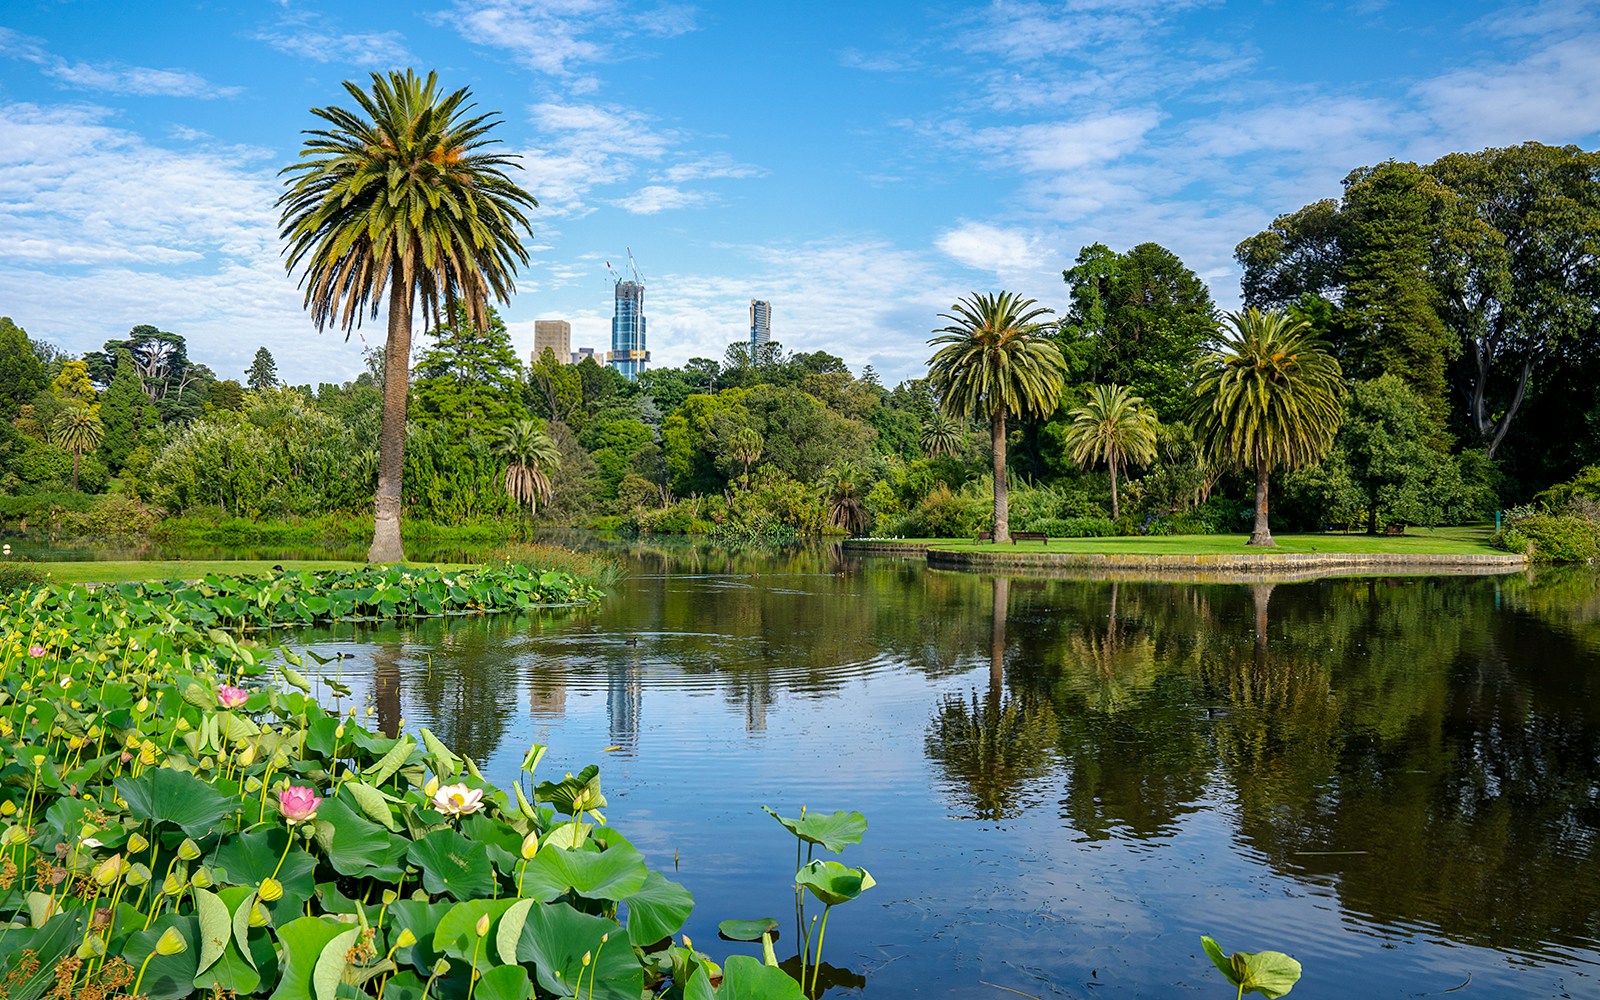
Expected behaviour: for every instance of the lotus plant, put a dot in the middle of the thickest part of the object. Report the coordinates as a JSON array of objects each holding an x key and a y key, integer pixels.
[
  {"x": 458, "y": 800},
  {"x": 231, "y": 697}
]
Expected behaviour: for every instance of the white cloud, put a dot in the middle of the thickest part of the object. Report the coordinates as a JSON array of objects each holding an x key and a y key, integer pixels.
[
  {"x": 715, "y": 167},
  {"x": 654, "y": 198},
  {"x": 556, "y": 36},
  {"x": 1068, "y": 145},
  {"x": 110, "y": 77},
  {"x": 379, "y": 50},
  {"x": 993, "y": 248}
]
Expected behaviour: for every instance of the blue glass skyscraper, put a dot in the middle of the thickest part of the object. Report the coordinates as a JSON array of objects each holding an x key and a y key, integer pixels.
[
  {"x": 760, "y": 323},
  {"x": 628, "y": 354}
]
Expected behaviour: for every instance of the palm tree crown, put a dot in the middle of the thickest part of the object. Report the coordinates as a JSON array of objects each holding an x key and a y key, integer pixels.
[
  {"x": 992, "y": 363},
  {"x": 400, "y": 200},
  {"x": 531, "y": 451},
  {"x": 78, "y": 431},
  {"x": 1269, "y": 397},
  {"x": 942, "y": 435},
  {"x": 1113, "y": 427}
]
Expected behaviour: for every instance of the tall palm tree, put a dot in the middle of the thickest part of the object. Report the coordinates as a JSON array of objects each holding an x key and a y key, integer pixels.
[
  {"x": 78, "y": 431},
  {"x": 843, "y": 497},
  {"x": 531, "y": 452},
  {"x": 1114, "y": 427},
  {"x": 745, "y": 446},
  {"x": 399, "y": 199},
  {"x": 1271, "y": 396},
  {"x": 942, "y": 435},
  {"x": 993, "y": 363}
]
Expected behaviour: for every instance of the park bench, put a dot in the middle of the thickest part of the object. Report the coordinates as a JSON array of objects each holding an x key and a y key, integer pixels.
[{"x": 1029, "y": 536}]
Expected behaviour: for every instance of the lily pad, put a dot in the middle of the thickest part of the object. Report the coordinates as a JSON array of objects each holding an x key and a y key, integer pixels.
[
  {"x": 748, "y": 930},
  {"x": 834, "y": 831}
]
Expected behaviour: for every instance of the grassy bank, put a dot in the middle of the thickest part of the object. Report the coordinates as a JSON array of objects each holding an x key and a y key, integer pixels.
[
  {"x": 1469, "y": 540},
  {"x": 174, "y": 569}
]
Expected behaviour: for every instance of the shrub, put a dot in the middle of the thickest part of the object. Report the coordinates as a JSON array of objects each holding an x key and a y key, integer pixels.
[
  {"x": 113, "y": 515},
  {"x": 18, "y": 574},
  {"x": 946, "y": 514},
  {"x": 1077, "y": 527},
  {"x": 1563, "y": 537}
]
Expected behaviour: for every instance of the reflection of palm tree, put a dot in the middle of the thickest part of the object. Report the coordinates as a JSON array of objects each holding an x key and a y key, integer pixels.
[
  {"x": 993, "y": 747},
  {"x": 386, "y": 686}
]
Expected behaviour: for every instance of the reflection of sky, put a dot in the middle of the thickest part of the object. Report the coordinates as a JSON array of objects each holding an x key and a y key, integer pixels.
[{"x": 1028, "y": 903}]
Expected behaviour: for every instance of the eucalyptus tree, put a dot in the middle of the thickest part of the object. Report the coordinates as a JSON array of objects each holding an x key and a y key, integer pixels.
[
  {"x": 994, "y": 362},
  {"x": 1269, "y": 397},
  {"x": 78, "y": 431},
  {"x": 401, "y": 199},
  {"x": 1114, "y": 427},
  {"x": 531, "y": 453}
]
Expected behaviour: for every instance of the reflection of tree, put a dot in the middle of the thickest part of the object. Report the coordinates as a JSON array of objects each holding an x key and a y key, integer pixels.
[
  {"x": 993, "y": 748},
  {"x": 462, "y": 693},
  {"x": 386, "y": 687}
]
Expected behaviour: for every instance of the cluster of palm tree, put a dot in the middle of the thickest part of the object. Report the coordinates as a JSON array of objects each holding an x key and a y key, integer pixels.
[{"x": 1268, "y": 396}]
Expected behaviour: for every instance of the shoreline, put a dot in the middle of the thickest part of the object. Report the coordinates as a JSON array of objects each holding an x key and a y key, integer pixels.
[{"x": 1202, "y": 567}]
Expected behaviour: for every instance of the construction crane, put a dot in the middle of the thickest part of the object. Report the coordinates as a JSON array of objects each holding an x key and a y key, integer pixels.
[{"x": 637, "y": 277}]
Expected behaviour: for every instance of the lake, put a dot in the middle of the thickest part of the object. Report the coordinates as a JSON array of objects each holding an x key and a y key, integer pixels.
[{"x": 1395, "y": 780}]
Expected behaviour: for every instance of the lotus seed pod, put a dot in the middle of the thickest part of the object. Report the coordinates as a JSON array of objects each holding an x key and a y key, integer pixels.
[
  {"x": 183, "y": 725},
  {"x": 14, "y": 835},
  {"x": 258, "y": 915},
  {"x": 138, "y": 874},
  {"x": 248, "y": 757},
  {"x": 171, "y": 943},
  {"x": 188, "y": 850},
  {"x": 8, "y": 808},
  {"x": 106, "y": 872},
  {"x": 441, "y": 967},
  {"x": 147, "y": 756},
  {"x": 388, "y": 896},
  {"x": 137, "y": 843},
  {"x": 142, "y": 706},
  {"x": 252, "y": 784},
  {"x": 271, "y": 889},
  {"x": 406, "y": 939},
  {"x": 202, "y": 878},
  {"x": 174, "y": 883}
]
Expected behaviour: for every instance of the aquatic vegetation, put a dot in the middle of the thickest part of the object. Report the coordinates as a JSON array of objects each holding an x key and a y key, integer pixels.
[
  {"x": 1269, "y": 973},
  {"x": 159, "y": 833},
  {"x": 829, "y": 881}
]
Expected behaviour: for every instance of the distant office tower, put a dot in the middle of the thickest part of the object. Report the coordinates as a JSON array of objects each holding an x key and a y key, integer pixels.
[
  {"x": 760, "y": 323},
  {"x": 628, "y": 354},
  {"x": 555, "y": 334},
  {"x": 581, "y": 353}
]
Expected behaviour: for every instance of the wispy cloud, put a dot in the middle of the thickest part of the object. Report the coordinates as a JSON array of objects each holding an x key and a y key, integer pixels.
[
  {"x": 654, "y": 198},
  {"x": 993, "y": 248},
  {"x": 111, "y": 77},
  {"x": 557, "y": 37},
  {"x": 373, "y": 50}
]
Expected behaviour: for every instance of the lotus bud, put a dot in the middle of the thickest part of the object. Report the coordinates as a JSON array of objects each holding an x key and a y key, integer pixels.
[
  {"x": 137, "y": 843},
  {"x": 202, "y": 878},
  {"x": 406, "y": 939},
  {"x": 188, "y": 850},
  {"x": 258, "y": 915},
  {"x": 605, "y": 937},
  {"x": 431, "y": 787},
  {"x": 483, "y": 925},
  {"x": 138, "y": 874},
  {"x": 171, "y": 943},
  {"x": 106, "y": 872},
  {"x": 93, "y": 946},
  {"x": 687, "y": 943},
  {"x": 271, "y": 889},
  {"x": 530, "y": 846},
  {"x": 338, "y": 731},
  {"x": 588, "y": 956},
  {"x": 142, "y": 706}
]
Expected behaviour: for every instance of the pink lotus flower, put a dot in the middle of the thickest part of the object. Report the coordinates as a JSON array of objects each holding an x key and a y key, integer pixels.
[
  {"x": 35, "y": 651},
  {"x": 458, "y": 800},
  {"x": 229, "y": 696},
  {"x": 298, "y": 804}
]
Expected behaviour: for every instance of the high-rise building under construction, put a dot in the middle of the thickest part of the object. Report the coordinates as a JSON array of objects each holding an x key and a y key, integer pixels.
[
  {"x": 628, "y": 353},
  {"x": 760, "y": 323}
]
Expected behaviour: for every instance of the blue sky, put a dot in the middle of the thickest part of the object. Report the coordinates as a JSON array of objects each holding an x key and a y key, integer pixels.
[{"x": 860, "y": 165}]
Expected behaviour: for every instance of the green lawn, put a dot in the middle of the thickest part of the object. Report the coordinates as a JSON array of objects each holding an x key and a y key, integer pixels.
[
  {"x": 176, "y": 569},
  {"x": 1421, "y": 541}
]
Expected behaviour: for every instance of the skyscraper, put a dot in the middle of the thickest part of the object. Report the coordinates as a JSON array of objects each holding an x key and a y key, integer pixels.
[
  {"x": 760, "y": 323},
  {"x": 555, "y": 334},
  {"x": 628, "y": 354}
]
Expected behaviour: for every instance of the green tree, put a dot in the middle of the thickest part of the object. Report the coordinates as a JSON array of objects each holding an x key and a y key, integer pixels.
[
  {"x": 744, "y": 446},
  {"x": 78, "y": 431},
  {"x": 1268, "y": 398},
  {"x": 992, "y": 363},
  {"x": 401, "y": 200},
  {"x": 1143, "y": 315},
  {"x": 71, "y": 385},
  {"x": 531, "y": 455},
  {"x": 126, "y": 412},
  {"x": 1113, "y": 427},
  {"x": 845, "y": 489},
  {"x": 555, "y": 388},
  {"x": 22, "y": 375},
  {"x": 470, "y": 379},
  {"x": 263, "y": 372},
  {"x": 943, "y": 435},
  {"x": 175, "y": 385}
]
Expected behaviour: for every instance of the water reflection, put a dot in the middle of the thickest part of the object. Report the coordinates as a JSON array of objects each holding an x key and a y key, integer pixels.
[{"x": 1421, "y": 756}]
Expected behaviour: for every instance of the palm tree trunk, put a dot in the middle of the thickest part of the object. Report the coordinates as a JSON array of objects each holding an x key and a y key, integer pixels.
[
  {"x": 1262, "y": 535},
  {"x": 386, "y": 544},
  {"x": 1002, "y": 520},
  {"x": 76, "y": 455},
  {"x": 1116, "y": 513}
]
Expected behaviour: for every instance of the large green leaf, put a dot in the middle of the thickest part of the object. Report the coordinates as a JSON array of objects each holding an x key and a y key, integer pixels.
[
  {"x": 452, "y": 864},
  {"x": 457, "y": 933},
  {"x": 748, "y": 930},
  {"x": 167, "y": 977},
  {"x": 614, "y": 875},
  {"x": 355, "y": 845},
  {"x": 834, "y": 831},
  {"x": 508, "y": 982},
  {"x": 332, "y": 962},
  {"x": 1270, "y": 973},
  {"x": 303, "y": 940},
  {"x": 657, "y": 910},
  {"x": 216, "y": 927},
  {"x": 573, "y": 792},
  {"x": 422, "y": 920},
  {"x": 832, "y": 882},
  {"x": 744, "y": 978},
  {"x": 248, "y": 858},
  {"x": 163, "y": 795},
  {"x": 555, "y": 938}
]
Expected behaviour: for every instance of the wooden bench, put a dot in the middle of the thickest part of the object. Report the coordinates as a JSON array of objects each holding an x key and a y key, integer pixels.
[{"x": 1029, "y": 536}]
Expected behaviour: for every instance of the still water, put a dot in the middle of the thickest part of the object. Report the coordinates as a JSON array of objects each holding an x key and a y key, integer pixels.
[{"x": 1397, "y": 781}]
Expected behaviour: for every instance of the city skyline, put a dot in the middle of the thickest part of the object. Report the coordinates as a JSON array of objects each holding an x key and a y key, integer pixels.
[{"x": 889, "y": 159}]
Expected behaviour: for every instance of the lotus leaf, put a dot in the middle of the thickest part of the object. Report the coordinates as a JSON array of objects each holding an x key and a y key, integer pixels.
[
  {"x": 163, "y": 795},
  {"x": 613, "y": 875},
  {"x": 744, "y": 978},
  {"x": 573, "y": 793},
  {"x": 748, "y": 930},
  {"x": 508, "y": 982},
  {"x": 168, "y": 976},
  {"x": 657, "y": 910},
  {"x": 1270, "y": 973},
  {"x": 555, "y": 938},
  {"x": 833, "y": 831},
  {"x": 452, "y": 864},
  {"x": 303, "y": 941},
  {"x": 832, "y": 882}
]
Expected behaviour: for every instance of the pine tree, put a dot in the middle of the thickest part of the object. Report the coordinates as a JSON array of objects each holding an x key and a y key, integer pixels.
[
  {"x": 123, "y": 411},
  {"x": 263, "y": 373}
]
